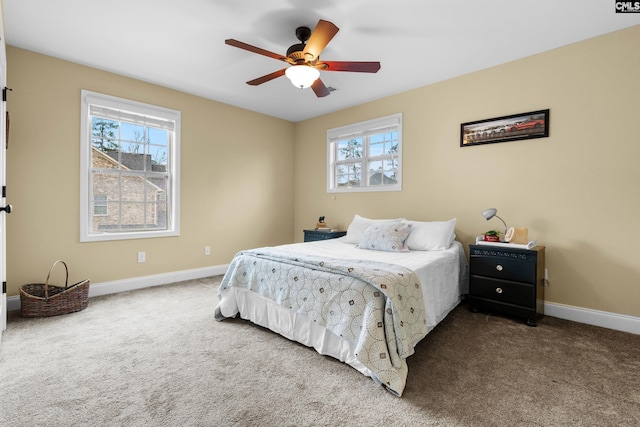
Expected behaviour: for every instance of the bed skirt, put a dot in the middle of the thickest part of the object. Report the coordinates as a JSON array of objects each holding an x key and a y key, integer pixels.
[{"x": 261, "y": 311}]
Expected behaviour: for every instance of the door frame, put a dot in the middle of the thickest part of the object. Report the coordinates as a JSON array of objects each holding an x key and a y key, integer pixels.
[{"x": 3, "y": 176}]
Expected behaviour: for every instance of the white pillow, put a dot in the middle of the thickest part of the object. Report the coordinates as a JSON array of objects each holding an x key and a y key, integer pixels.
[
  {"x": 385, "y": 236},
  {"x": 359, "y": 225},
  {"x": 431, "y": 236}
]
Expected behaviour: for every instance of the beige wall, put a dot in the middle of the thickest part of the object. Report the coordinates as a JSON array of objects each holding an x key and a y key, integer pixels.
[
  {"x": 576, "y": 191},
  {"x": 236, "y": 183}
]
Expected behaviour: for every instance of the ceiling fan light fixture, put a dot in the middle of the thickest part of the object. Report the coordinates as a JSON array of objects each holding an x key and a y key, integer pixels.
[{"x": 302, "y": 76}]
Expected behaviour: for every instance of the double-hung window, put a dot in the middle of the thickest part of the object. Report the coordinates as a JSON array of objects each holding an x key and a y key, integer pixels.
[
  {"x": 365, "y": 156},
  {"x": 129, "y": 165}
]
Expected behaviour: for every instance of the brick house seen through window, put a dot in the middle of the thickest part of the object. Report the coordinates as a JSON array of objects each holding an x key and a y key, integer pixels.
[{"x": 112, "y": 211}]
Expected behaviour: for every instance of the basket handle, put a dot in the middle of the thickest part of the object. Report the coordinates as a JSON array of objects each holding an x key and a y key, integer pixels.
[{"x": 46, "y": 282}]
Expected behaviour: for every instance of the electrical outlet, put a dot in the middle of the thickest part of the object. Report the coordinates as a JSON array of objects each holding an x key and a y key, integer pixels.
[
  {"x": 142, "y": 257},
  {"x": 207, "y": 250}
]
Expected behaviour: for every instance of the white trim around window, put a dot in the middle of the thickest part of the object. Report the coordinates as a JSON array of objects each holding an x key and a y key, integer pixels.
[
  {"x": 365, "y": 156},
  {"x": 130, "y": 172}
]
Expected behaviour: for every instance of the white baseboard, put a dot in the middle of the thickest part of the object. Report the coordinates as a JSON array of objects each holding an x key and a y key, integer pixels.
[
  {"x": 106, "y": 288},
  {"x": 603, "y": 319},
  {"x": 619, "y": 322}
]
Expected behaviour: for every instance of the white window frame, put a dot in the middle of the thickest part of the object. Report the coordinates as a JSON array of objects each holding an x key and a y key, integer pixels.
[
  {"x": 89, "y": 98},
  {"x": 363, "y": 129}
]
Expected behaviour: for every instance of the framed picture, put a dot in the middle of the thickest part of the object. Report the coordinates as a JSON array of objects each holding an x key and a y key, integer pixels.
[{"x": 534, "y": 124}]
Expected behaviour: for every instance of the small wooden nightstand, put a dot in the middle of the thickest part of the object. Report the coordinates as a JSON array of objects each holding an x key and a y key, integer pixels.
[
  {"x": 507, "y": 280},
  {"x": 313, "y": 235}
]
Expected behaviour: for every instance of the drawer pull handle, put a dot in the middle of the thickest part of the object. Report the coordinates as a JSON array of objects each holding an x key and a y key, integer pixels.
[
  {"x": 499, "y": 290},
  {"x": 499, "y": 267}
]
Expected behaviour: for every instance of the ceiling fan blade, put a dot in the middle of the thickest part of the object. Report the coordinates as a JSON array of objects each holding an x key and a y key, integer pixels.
[
  {"x": 268, "y": 77},
  {"x": 320, "y": 89},
  {"x": 320, "y": 37},
  {"x": 353, "y": 66},
  {"x": 245, "y": 46}
]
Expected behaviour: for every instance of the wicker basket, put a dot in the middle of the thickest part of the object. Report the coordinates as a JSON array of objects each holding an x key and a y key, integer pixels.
[{"x": 43, "y": 299}]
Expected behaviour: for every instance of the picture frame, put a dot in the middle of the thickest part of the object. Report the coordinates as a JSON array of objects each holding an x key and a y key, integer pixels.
[{"x": 534, "y": 124}]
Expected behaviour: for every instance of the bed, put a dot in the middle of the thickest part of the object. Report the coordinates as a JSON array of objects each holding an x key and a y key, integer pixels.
[{"x": 365, "y": 299}]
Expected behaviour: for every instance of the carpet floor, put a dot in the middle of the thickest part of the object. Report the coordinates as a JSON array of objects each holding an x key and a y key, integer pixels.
[{"x": 157, "y": 357}]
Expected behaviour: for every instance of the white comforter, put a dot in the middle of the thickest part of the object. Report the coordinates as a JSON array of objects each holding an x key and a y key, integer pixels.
[{"x": 443, "y": 274}]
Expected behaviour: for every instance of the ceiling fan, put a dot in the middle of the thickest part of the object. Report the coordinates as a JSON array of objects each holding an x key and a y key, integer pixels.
[{"x": 304, "y": 59}]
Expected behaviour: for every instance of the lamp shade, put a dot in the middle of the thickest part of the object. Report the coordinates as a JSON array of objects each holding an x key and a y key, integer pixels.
[
  {"x": 302, "y": 76},
  {"x": 489, "y": 213}
]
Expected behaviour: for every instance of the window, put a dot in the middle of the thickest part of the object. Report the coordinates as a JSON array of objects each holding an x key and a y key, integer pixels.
[
  {"x": 129, "y": 165},
  {"x": 100, "y": 205},
  {"x": 365, "y": 156}
]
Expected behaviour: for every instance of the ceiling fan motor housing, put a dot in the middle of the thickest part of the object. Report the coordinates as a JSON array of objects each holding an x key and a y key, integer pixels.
[{"x": 295, "y": 51}]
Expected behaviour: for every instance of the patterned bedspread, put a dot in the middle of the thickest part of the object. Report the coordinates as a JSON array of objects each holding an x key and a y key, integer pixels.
[{"x": 377, "y": 306}]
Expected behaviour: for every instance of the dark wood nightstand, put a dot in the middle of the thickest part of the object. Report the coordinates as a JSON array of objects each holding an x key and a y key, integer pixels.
[
  {"x": 313, "y": 235},
  {"x": 507, "y": 280}
]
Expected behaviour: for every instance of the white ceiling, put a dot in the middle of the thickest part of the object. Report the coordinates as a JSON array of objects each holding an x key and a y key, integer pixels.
[{"x": 180, "y": 44}]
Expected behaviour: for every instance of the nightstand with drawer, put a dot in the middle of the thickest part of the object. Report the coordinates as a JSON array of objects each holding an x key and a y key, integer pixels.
[
  {"x": 507, "y": 280},
  {"x": 313, "y": 235}
]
